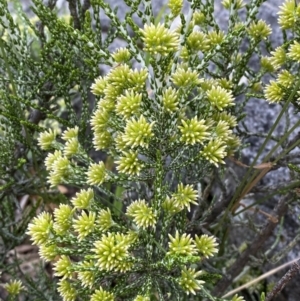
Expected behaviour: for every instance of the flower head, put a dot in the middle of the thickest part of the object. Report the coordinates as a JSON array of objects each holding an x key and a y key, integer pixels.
[
  {"x": 117, "y": 78},
  {"x": 193, "y": 131},
  {"x": 185, "y": 78},
  {"x": 185, "y": 196},
  {"x": 143, "y": 215},
  {"x": 83, "y": 199},
  {"x": 236, "y": 4},
  {"x": 188, "y": 280},
  {"x": 273, "y": 92},
  {"x": 99, "y": 86},
  {"x": 181, "y": 245},
  {"x": 40, "y": 228},
  {"x": 237, "y": 298},
  {"x": 14, "y": 287},
  {"x": 199, "y": 18},
  {"x": 46, "y": 139},
  {"x": 214, "y": 38},
  {"x": 222, "y": 130},
  {"x": 288, "y": 14},
  {"x": 279, "y": 57},
  {"x": 198, "y": 41},
  {"x": 285, "y": 78},
  {"x": 70, "y": 133},
  {"x": 51, "y": 158},
  {"x": 214, "y": 151},
  {"x": 170, "y": 100},
  {"x": 138, "y": 132},
  {"x": 61, "y": 169},
  {"x": 170, "y": 206},
  {"x": 175, "y": 6},
  {"x": 137, "y": 79},
  {"x": 220, "y": 97},
  {"x": 102, "y": 139},
  {"x": 259, "y": 30},
  {"x": 62, "y": 219},
  {"x": 71, "y": 147},
  {"x": 100, "y": 120},
  {"x": 84, "y": 224},
  {"x": 63, "y": 268},
  {"x": 66, "y": 290},
  {"x": 105, "y": 220},
  {"x": 228, "y": 118},
  {"x": 128, "y": 104},
  {"x": 121, "y": 55},
  {"x": 129, "y": 163},
  {"x": 48, "y": 252},
  {"x": 294, "y": 52},
  {"x": 102, "y": 295},
  {"x": 159, "y": 40},
  {"x": 110, "y": 251},
  {"x": 86, "y": 274},
  {"x": 96, "y": 173},
  {"x": 206, "y": 245},
  {"x": 266, "y": 64}
]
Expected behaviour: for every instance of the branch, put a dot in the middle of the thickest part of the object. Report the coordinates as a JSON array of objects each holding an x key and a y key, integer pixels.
[
  {"x": 253, "y": 248},
  {"x": 283, "y": 281}
]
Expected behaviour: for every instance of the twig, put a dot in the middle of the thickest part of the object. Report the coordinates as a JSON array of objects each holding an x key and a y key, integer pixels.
[
  {"x": 263, "y": 276},
  {"x": 283, "y": 281},
  {"x": 74, "y": 13},
  {"x": 254, "y": 247}
]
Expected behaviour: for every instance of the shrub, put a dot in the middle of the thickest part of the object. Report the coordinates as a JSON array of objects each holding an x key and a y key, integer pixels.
[{"x": 164, "y": 112}]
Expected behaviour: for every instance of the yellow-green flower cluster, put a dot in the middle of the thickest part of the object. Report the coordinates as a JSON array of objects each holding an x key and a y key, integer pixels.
[
  {"x": 159, "y": 40},
  {"x": 215, "y": 151},
  {"x": 102, "y": 295},
  {"x": 62, "y": 219},
  {"x": 198, "y": 41},
  {"x": 66, "y": 290},
  {"x": 189, "y": 282},
  {"x": 193, "y": 131},
  {"x": 105, "y": 220},
  {"x": 259, "y": 30},
  {"x": 59, "y": 163},
  {"x": 129, "y": 163},
  {"x": 220, "y": 98},
  {"x": 63, "y": 267},
  {"x": 121, "y": 55},
  {"x": 47, "y": 140},
  {"x": 111, "y": 252},
  {"x": 138, "y": 132},
  {"x": 181, "y": 245},
  {"x": 175, "y": 7},
  {"x": 40, "y": 229},
  {"x": 143, "y": 215},
  {"x": 96, "y": 174},
  {"x": 278, "y": 57},
  {"x": 184, "y": 245},
  {"x": 83, "y": 199},
  {"x": 289, "y": 14},
  {"x": 236, "y": 4},
  {"x": 84, "y": 224},
  {"x": 14, "y": 287},
  {"x": 170, "y": 100},
  {"x": 185, "y": 78}
]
